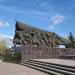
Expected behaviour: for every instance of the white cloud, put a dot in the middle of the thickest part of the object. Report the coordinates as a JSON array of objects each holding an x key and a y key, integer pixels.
[
  {"x": 6, "y": 37},
  {"x": 18, "y": 10},
  {"x": 55, "y": 20},
  {"x": 4, "y": 23},
  {"x": 45, "y": 11},
  {"x": 9, "y": 8}
]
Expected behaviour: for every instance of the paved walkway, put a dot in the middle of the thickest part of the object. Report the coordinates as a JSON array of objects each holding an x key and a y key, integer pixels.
[{"x": 16, "y": 69}]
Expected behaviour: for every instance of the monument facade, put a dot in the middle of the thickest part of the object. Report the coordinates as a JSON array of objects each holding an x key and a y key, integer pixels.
[{"x": 29, "y": 36}]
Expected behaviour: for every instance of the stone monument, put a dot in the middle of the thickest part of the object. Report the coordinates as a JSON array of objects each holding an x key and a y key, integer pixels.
[{"x": 28, "y": 36}]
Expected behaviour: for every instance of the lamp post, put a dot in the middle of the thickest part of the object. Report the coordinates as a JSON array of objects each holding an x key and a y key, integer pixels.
[
  {"x": 14, "y": 42},
  {"x": 53, "y": 40}
]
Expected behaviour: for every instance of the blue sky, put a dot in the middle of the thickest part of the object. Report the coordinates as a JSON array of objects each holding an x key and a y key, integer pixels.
[{"x": 53, "y": 15}]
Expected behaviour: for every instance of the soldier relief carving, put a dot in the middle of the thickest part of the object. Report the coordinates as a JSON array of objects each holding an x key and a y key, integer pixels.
[{"x": 29, "y": 36}]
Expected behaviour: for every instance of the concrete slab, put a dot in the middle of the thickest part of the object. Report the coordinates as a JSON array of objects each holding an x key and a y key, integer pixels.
[
  {"x": 59, "y": 61},
  {"x": 16, "y": 69}
]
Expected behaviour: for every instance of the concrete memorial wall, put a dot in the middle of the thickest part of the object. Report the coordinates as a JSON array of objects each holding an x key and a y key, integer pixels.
[{"x": 45, "y": 53}]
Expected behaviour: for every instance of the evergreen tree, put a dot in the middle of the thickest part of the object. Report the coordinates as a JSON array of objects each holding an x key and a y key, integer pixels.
[{"x": 71, "y": 40}]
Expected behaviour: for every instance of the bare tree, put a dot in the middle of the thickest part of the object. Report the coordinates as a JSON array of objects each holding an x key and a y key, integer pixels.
[{"x": 3, "y": 46}]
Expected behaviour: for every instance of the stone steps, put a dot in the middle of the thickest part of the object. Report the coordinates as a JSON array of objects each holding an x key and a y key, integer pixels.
[
  {"x": 43, "y": 70},
  {"x": 51, "y": 68},
  {"x": 70, "y": 57},
  {"x": 58, "y": 66}
]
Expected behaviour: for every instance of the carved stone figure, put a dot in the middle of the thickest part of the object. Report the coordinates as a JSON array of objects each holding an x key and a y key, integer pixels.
[{"x": 30, "y": 36}]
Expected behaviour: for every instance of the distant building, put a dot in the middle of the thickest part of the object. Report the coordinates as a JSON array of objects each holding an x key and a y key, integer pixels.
[{"x": 17, "y": 49}]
